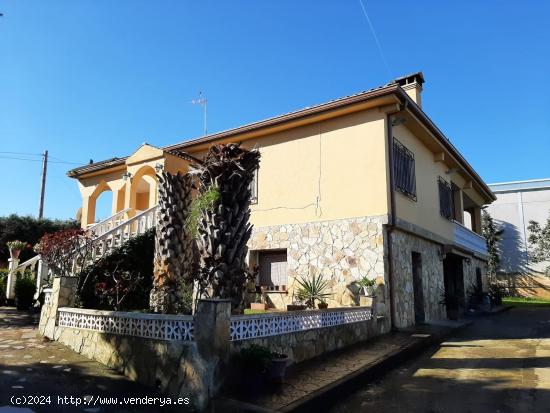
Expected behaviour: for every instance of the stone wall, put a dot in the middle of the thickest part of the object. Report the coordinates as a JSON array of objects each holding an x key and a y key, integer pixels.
[
  {"x": 403, "y": 245},
  {"x": 470, "y": 278},
  {"x": 342, "y": 251},
  {"x": 305, "y": 345}
]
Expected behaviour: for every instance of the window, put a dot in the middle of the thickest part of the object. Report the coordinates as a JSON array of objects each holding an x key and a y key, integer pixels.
[
  {"x": 254, "y": 188},
  {"x": 445, "y": 199},
  {"x": 403, "y": 170},
  {"x": 273, "y": 269}
]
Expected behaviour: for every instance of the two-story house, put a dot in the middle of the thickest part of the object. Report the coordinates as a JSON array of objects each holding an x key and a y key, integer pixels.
[{"x": 362, "y": 186}]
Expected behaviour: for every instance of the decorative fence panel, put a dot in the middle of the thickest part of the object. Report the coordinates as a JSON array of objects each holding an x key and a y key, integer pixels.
[
  {"x": 265, "y": 325},
  {"x": 154, "y": 326}
]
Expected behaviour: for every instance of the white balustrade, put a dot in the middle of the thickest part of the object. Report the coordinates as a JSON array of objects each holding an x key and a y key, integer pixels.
[
  {"x": 121, "y": 233},
  {"x": 245, "y": 327},
  {"x": 107, "y": 224},
  {"x": 154, "y": 326}
]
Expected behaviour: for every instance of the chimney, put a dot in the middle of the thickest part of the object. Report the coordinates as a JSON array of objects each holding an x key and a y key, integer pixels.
[{"x": 412, "y": 85}]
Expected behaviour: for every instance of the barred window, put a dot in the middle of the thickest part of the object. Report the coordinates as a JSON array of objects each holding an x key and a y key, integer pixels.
[
  {"x": 445, "y": 198},
  {"x": 254, "y": 188},
  {"x": 403, "y": 170}
]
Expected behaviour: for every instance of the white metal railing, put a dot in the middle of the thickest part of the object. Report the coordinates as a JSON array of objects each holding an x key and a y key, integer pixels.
[
  {"x": 100, "y": 228},
  {"x": 126, "y": 230},
  {"x": 468, "y": 239},
  {"x": 244, "y": 327},
  {"x": 154, "y": 326}
]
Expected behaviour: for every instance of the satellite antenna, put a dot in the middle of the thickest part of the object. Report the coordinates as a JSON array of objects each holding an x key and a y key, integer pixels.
[{"x": 203, "y": 102}]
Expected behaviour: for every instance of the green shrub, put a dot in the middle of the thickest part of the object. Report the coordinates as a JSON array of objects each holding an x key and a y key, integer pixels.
[
  {"x": 25, "y": 287},
  {"x": 121, "y": 280},
  {"x": 3, "y": 284}
]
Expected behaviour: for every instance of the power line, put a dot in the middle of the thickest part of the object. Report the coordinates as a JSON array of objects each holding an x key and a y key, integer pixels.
[
  {"x": 22, "y": 153},
  {"x": 40, "y": 160}
]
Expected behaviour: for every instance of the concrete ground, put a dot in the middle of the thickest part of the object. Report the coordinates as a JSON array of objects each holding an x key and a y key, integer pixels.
[
  {"x": 33, "y": 366},
  {"x": 501, "y": 364}
]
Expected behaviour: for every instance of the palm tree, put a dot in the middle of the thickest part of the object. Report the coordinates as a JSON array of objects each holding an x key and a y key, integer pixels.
[
  {"x": 223, "y": 229},
  {"x": 175, "y": 249}
]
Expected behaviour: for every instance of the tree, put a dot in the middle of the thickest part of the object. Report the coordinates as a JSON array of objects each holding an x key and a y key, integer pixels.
[
  {"x": 539, "y": 240},
  {"x": 175, "y": 262},
  {"x": 223, "y": 227},
  {"x": 65, "y": 251},
  {"x": 493, "y": 235},
  {"x": 27, "y": 228}
]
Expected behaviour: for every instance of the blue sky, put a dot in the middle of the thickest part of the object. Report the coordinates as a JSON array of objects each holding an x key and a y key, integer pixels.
[{"x": 94, "y": 79}]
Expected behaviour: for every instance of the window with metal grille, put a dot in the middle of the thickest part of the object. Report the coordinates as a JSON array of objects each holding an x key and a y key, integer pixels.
[
  {"x": 445, "y": 198},
  {"x": 273, "y": 268},
  {"x": 254, "y": 188},
  {"x": 403, "y": 170}
]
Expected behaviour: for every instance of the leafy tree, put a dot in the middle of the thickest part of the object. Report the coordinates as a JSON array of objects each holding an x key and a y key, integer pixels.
[
  {"x": 62, "y": 248},
  {"x": 539, "y": 240},
  {"x": 493, "y": 235},
  {"x": 30, "y": 230}
]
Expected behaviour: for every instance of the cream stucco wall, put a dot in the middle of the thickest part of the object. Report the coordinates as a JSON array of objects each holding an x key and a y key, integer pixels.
[
  {"x": 424, "y": 212},
  {"x": 334, "y": 169},
  {"x": 141, "y": 165}
]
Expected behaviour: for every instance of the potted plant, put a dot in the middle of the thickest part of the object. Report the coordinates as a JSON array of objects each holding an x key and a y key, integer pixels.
[
  {"x": 24, "y": 292},
  {"x": 313, "y": 289},
  {"x": 15, "y": 248},
  {"x": 276, "y": 367},
  {"x": 253, "y": 361},
  {"x": 367, "y": 285},
  {"x": 322, "y": 305},
  {"x": 259, "y": 300},
  {"x": 451, "y": 303}
]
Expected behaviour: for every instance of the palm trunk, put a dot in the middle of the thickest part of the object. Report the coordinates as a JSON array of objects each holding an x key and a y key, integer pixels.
[
  {"x": 224, "y": 229},
  {"x": 175, "y": 250}
]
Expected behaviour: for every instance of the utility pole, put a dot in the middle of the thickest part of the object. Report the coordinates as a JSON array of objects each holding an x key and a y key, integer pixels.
[
  {"x": 43, "y": 185},
  {"x": 203, "y": 102}
]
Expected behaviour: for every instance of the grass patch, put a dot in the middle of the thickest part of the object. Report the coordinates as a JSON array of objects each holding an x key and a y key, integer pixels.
[
  {"x": 526, "y": 301},
  {"x": 248, "y": 311}
]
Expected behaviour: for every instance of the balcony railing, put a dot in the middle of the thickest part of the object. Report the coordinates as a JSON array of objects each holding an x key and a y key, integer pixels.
[{"x": 468, "y": 239}]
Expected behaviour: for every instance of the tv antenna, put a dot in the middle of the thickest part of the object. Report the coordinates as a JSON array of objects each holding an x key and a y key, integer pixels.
[{"x": 203, "y": 102}]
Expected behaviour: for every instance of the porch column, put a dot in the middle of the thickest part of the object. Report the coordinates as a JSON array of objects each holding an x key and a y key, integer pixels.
[
  {"x": 12, "y": 276},
  {"x": 458, "y": 202},
  {"x": 476, "y": 220}
]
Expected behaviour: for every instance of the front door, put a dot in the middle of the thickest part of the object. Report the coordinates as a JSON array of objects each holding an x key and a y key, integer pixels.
[
  {"x": 417, "y": 288},
  {"x": 454, "y": 285}
]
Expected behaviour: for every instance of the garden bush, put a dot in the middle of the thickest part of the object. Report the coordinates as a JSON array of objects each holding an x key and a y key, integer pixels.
[
  {"x": 121, "y": 280},
  {"x": 3, "y": 284},
  {"x": 25, "y": 287}
]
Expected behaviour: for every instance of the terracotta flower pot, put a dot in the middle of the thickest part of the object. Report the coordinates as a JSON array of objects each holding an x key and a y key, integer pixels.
[
  {"x": 322, "y": 306},
  {"x": 15, "y": 254},
  {"x": 257, "y": 306}
]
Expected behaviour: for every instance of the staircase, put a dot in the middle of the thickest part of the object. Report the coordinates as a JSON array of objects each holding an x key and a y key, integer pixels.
[{"x": 106, "y": 236}]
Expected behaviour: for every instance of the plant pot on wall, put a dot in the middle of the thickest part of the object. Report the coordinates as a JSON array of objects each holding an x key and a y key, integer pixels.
[
  {"x": 14, "y": 254},
  {"x": 258, "y": 306},
  {"x": 322, "y": 305}
]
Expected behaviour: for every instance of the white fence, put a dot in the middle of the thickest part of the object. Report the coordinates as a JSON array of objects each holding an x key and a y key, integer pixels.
[
  {"x": 154, "y": 326},
  {"x": 264, "y": 325},
  {"x": 181, "y": 327}
]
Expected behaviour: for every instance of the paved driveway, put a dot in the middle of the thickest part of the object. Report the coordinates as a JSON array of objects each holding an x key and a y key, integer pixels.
[
  {"x": 32, "y": 366},
  {"x": 499, "y": 364}
]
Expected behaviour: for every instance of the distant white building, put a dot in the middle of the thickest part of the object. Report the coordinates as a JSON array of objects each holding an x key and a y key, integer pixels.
[{"x": 518, "y": 203}]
